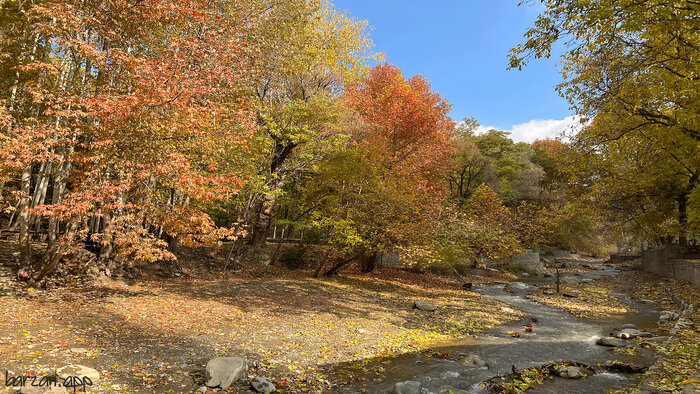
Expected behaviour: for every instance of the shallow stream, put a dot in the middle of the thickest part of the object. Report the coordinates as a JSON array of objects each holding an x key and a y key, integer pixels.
[{"x": 557, "y": 335}]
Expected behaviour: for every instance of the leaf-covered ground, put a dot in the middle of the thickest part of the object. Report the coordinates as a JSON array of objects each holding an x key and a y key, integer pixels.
[
  {"x": 679, "y": 365},
  {"x": 591, "y": 299},
  {"x": 157, "y": 335}
]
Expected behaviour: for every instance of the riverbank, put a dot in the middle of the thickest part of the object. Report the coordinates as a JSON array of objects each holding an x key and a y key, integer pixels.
[
  {"x": 157, "y": 335},
  {"x": 678, "y": 364}
]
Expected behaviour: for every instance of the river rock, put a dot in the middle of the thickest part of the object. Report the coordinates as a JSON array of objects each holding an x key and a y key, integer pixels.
[
  {"x": 519, "y": 286},
  {"x": 629, "y": 333},
  {"x": 80, "y": 371},
  {"x": 569, "y": 372},
  {"x": 471, "y": 360},
  {"x": 408, "y": 387},
  {"x": 628, "y": 326},
  {"x": 613, "y": 342},
  {"x": 569, "y": 264},
  {"x": 424, "y": 306},
  {"x": 224, "y": 371},
  {"x": 548, "y": 275},
  {"x": 668, "y": 316},
  {"x": 681, "y": 324},
  {"x": 262, "y": 385},
  {"x": 684, "y": 323},
  {"x": 450, "y": 375}
]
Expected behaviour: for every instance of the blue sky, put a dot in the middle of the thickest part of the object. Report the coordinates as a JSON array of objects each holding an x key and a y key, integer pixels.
[{"x": 462, "y": 47}]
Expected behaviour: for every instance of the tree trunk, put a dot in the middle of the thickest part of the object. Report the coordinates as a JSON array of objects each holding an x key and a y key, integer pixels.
[
  {"x": 683, "y": 219},
  {"x": 262, "y": 225},
  {"x": 174, "y": 240},
  {"x": 106, "y": 249},
  {"x": 56, "y": 196},
  {"x": 51, "y": 264},
  {"x": 25, "y": 251},
  {"x": 322, "y": 263},
  {"x": 42, "y": 185},
  {"x": 12, "y": 223},
  {"x": 340, "y": 265},
  {"x": 368, "y": 262},
  {"x": 280, "y": 153}
]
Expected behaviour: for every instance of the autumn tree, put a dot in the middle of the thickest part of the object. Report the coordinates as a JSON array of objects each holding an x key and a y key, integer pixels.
[
  {"x": 644, "y": 180},
  {"x": 636, "y": 59},
  {"x": 387, "y": 187},
  {"x": 309, "y": 51},
  {"x": 631, "y": 67},
  {"x": 130, "y": 115},
  {"x": 471, "y": 167}
]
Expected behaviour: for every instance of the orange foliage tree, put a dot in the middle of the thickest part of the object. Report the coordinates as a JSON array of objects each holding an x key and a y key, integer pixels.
[
  {"x": 128, "y": 116},
  {"x": 401, "y": 147}
]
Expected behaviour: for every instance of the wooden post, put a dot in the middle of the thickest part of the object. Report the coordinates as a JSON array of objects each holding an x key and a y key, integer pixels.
[{"x": 557, "y": 280}]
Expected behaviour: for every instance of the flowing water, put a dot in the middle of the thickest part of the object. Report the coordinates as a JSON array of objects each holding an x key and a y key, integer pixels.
[{"x": 557, "y": 335}]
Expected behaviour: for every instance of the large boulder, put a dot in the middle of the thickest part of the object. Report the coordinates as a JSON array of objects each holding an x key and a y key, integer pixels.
[
  {"x": 408, "y": 387},
  {"x": 424, "y": 306},
  {"x": 224, "y": 371}
]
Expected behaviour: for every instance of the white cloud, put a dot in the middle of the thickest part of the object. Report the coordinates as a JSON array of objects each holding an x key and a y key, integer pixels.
[{"x": 539, "y": 129}]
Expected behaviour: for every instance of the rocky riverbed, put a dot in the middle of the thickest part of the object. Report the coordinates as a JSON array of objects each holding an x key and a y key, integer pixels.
[{"x": 584, "y": 346}]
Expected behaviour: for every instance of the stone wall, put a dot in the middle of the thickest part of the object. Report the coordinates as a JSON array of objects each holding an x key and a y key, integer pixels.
[
  {"x": 529, "y": 259},
  {"x": 388, "y": 260},
  {"x": 673, "y": 261}
]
